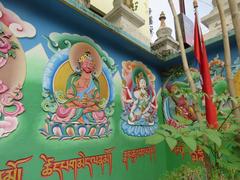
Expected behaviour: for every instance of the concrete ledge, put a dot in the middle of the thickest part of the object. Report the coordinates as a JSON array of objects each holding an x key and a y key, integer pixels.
[
  {"x": 123, "y": 11},
  {"x": 105, "y": 24}
]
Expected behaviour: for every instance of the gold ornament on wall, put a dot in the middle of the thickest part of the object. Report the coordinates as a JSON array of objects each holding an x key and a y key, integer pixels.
[{"x": 131, "y": 5}]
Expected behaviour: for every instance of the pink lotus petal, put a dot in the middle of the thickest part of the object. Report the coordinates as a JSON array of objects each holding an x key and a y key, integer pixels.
[
  {"x": 102, "y": 131},
  {"x": 92, "y": 132},
  {"x": 5, "y": 44},
  {"x": 64, "y": 114},
  {"x": 82, "y": 131},
  {"x": 3, "y": 87},
  {"x": 18, "y": 95},
  {"x": 57, "y": 131},
  {"x": 70, "y": 131},
  {"x": 99, "y": 117},
  {"x": 9, "y": 124},
  {"x": 7, "y": 99},
  {"x": 3, "y": 61}
]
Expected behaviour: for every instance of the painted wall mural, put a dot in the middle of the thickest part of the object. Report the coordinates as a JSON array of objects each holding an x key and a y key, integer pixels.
[
  {"x": 12, "y": 76},
  {"x": 77, "y": 89},
  {"x": 51, "y": 166},
  {"x": 68, "y": 123},
  {"x": 17, "y": 26},
  {"x": 176, "y": 102},
  {"x": 139, "y": 100},
  {"x": 13, "y": 171},
  {"x": 134, "y": 154}
]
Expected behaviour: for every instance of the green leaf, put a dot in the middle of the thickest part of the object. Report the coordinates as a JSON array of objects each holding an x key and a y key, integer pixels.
[
  {"x": 180, "y": 118},
  {"x": 171, "y": 142},
  {"x": 155, "y": 139},
  {"x": 163, "y": 132},
  {"x": 12, "y": 53},
  {"x": 213, "y": 135},
  {"x": 235, "y": 166},
  {"x": 233, "y": 128},
  {"x": 185, "y": 130},
  {"x": 183, "y": 121},
  {"x": 220, "y": 87},
  {"x": 205, "y": 149},
  {"x": 196, "y": 133},
  {"x": 237, "y": 144},
  {"x": 225, "y": 151},
  {"x": 190, "y": 142},
  {"x": 2, "y": 54},
  {"x": 176, "y": 135},
  {"x": 14, "y": 45},
  {"x": 169, "y": 128},
  {"x": 233, "y": 157}
]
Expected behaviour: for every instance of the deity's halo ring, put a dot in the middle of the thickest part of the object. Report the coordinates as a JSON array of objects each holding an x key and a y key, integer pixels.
[{"x": 78, "y": 50}]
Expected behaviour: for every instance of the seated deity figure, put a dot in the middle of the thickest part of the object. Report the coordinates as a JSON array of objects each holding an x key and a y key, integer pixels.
[
  {"x": 142, "y": 105},
  {"x": 83, "y": 87},
  {"x": 182, "y": 106},
  {"x": 78, "y": 91},
  {"x": 139, "y": 100},
  {"x": 84, "y": 103}
]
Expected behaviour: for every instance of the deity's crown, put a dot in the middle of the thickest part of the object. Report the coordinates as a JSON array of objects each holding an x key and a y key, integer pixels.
[
  {"x": 86, "y": 55},
  {"x": 139, "y": 77}
]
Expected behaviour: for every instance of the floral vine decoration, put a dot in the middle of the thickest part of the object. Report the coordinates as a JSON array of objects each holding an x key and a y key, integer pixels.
[{"x": 7, "y": 47}]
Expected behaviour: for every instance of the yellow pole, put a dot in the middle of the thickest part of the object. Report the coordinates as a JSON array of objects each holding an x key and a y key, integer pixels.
[
  {"x": 185, "y": 61},
  {"x": 227, "y": 56},
  {"x": 233, "y": 5}
]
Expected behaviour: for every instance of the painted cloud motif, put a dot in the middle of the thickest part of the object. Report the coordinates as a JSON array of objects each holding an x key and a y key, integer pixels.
[{"x": 18, "y": 27}]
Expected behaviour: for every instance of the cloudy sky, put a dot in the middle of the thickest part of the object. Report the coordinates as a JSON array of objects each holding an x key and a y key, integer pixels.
[{"x": 205, "y": 6}]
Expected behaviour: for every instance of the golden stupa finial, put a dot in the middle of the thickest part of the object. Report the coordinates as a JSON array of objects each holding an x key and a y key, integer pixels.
[{"x": 162, "y": 19}]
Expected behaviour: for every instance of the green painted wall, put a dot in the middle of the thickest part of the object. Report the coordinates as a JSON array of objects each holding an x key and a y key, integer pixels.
[{"x": 27, "y": 141}]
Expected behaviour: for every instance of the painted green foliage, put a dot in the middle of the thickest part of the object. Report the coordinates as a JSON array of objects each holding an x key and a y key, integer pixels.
[
  {"x": 26, "y": 144},
  {"x": 217, "y": 148}
]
